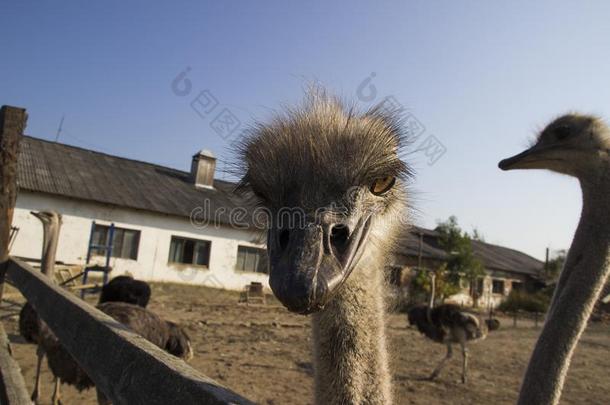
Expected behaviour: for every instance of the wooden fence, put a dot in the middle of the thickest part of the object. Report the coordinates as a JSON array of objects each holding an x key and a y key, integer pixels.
[
  {"x": 12, "y": 386},
  {"x": 123, "y": 365}
]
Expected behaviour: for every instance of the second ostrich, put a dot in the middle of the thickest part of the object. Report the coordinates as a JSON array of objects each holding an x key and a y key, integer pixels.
[
  {"x": 334, "y": 185},
  {"x": 448, "y": 324},
  {"x": 578, "y": 146},
  {"x": 165, "y": 334}
]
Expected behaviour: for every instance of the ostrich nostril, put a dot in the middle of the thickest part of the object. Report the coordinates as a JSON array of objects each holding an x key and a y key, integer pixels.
[
  {"x": 339, "y": 238},
  {"x": 284, "y": 238}
]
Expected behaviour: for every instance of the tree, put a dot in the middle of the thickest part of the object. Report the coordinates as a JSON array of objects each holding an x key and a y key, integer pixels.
[
  {"x": 420, "y": 286},
  {"x": 462, "y": 261},
  {"x": 477, "y": 235}
]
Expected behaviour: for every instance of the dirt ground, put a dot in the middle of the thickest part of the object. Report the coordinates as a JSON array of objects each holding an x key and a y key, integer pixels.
[{"x": 263, "y": 353}]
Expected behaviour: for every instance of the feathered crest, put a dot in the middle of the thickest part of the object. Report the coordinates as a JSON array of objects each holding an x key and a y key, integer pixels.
[
  {"x": 322, "y": 135},
  {"x": 572, "y": 120}
]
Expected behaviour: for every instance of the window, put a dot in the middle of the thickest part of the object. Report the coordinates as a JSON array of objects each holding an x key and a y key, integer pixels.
[
  {"x": 252, "y": 259},
  {"x": 125, "y": 242},
  {"x": 497, "y": 286},
  {"x": 189, "y": 251},
  {"x": 517, "y": 285}
]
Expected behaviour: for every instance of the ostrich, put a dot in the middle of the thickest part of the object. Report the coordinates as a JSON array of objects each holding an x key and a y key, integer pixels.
[
  {"x": 28, "y": 323},
  {"x": 126, "y": 289},
  {"x": 51, "y": 224},
  {"x": 165, "y": 334},
  {"x": 120, "y": 289},
  {"x": 447, "y": 324},
  {"x": 578, "y": 146},
  {"x": 335, "y": 188}
]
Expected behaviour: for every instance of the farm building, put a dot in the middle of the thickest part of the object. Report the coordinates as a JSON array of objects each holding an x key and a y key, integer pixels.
[
  {"x": 169, "y": 225},
  {"x": 506, "y": 269},
  {"x": 178, "y": 226}
]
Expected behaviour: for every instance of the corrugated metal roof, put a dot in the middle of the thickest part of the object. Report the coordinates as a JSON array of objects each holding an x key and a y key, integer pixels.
[
  {"x": 494, "y": 257},
  {"x": 69, "y": 171}
]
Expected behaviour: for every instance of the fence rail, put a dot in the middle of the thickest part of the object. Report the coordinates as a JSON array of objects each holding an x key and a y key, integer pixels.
[{"x": 123, "y": 365}]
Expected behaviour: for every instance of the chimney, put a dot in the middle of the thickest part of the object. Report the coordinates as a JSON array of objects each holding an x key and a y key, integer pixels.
[{"x": 202, "y": 168}]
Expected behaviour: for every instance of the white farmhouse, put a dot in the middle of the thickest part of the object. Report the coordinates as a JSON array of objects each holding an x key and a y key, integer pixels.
[{"x": 151, "y": 207}]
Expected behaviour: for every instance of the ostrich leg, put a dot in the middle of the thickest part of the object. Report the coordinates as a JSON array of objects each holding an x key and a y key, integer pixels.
[
  {"x": 464, "y": 362},
  {"x": 440, "y": 366},
  {"x": 56, "y": 394},
  {"x": 36, "y": 392}
]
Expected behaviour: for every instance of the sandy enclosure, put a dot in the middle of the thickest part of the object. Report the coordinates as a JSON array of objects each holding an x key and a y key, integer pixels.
[{"x": 264, "y": 354}]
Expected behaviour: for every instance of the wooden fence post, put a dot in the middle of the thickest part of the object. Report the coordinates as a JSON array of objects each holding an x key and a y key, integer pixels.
[
  {"x": 12, "y": 386},
  {"x": 12, "y": 124}
]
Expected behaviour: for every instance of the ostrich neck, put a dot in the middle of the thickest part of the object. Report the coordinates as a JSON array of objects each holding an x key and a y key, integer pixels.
[
  {"x": 349, "y": 342},
  {"x": 431, "y": 304},
  {"x": 49, "y": 248},
  {"x": 579, "y": 286}
]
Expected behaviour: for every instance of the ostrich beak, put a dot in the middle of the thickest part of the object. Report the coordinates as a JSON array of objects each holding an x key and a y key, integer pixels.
[
  {"x": 536, "y": 157},
  {"x": 308, "y": 265},
  {"x": 42, "y": 215}
]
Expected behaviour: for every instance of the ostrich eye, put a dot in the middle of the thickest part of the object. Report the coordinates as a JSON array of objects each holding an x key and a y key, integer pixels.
[
  {"x": 382, "y": 185},
  {"x": 562, "y": 132}
]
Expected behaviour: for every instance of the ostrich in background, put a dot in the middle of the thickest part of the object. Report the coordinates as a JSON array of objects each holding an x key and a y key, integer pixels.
[
  {"x": 120, "y": 289},
  {"x": 339, "y": 175},
  {"x": 578, "y": 146},
  {"x": 165, "y": 334},
  {"x": 51, "y": 225},
  {"x": 448, "y": 324},
  {"x": 126, "y": 289},
  {"x": 28, "y": 319}
]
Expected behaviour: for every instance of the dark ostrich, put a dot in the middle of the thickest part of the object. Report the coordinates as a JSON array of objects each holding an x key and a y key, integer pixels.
[
  {"x": 126, "y": 289},
  {"x": 449, "y": 324},
  {"x": 164, "y": 334}
]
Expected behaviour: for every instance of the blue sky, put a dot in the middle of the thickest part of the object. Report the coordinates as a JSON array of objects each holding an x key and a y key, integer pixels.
[{"x": 481, "y": 77}]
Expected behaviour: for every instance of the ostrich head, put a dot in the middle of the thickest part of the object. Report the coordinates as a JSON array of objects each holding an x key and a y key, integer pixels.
[
  {"x": 334, "y": 186},
  {"x": 573, "y": 144},
  {"x": 45, "y": 216}
]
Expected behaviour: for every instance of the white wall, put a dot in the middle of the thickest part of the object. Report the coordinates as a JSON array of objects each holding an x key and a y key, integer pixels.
[
  {"x": 155, "y": 235},
  {"x": 488, "y": 297}
]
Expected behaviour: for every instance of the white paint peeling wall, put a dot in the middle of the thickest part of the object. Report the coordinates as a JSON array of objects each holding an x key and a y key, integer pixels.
[
  {"x": 156, "y": 231},
  {"x": 488, "y": 298}
]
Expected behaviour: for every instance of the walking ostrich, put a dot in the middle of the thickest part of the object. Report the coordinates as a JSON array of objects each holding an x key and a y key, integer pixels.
[
  {"x": 447, "y": 324},
  {"x": 165, "y": 334},
  {"x": 578, "y": 146},
  {"x": 335, "y": 187}
]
